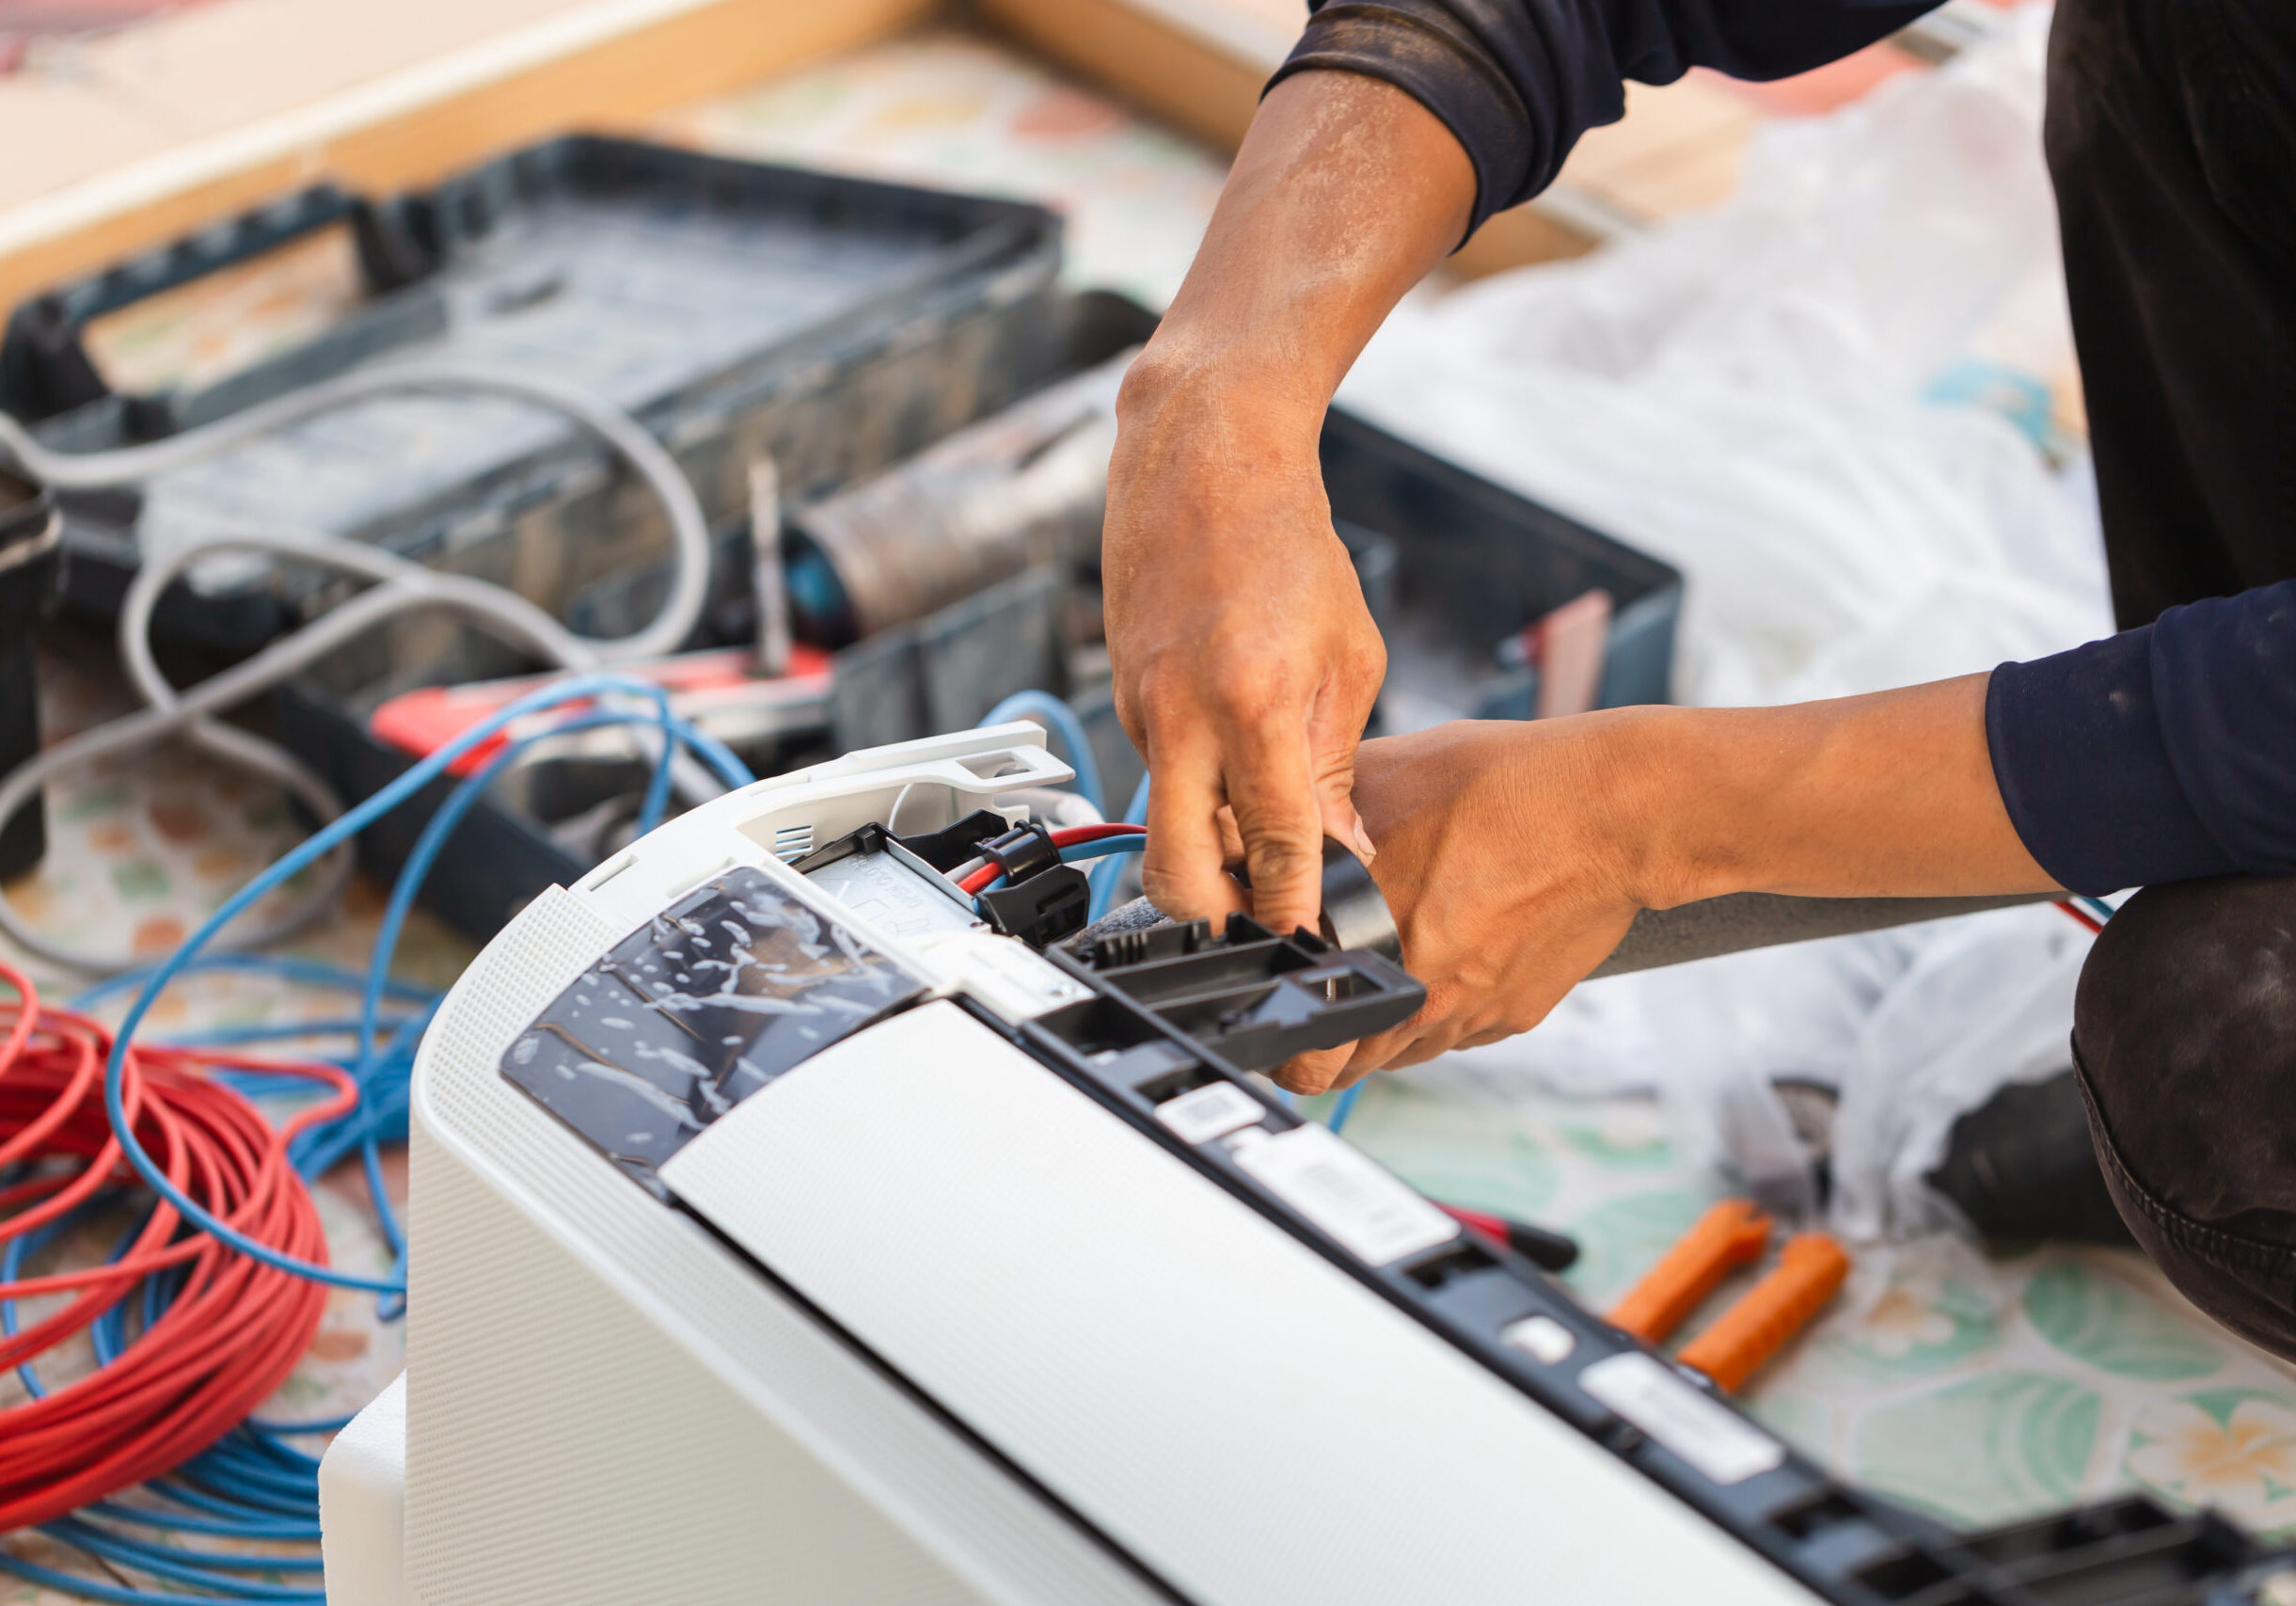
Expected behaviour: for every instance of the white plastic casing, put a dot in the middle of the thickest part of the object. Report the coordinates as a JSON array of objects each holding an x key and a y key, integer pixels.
[
  {"x": 1045, "y": 1361},
  {"x": 362, "y": 1505}
]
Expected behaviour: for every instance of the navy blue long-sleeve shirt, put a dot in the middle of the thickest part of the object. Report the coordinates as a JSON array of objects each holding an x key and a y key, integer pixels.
[{"x": 2165, "y": 753}]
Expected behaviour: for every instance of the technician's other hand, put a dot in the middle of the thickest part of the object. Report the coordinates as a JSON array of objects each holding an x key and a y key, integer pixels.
[
  {"x": 1503, "y": 861},
  {"x": 1246, "y": 663}
]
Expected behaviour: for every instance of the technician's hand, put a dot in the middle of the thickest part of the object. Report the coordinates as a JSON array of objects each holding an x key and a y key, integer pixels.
[
  {"x": 1246, "y": 661},
  {"x": 1508, "y": 870},
  {"x": 1515, "y": 854}
]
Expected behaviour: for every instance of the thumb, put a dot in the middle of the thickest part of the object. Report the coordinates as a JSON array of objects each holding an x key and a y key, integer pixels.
[
  {"x": 1334, "y": 757},
  {"x": 1318, "y": 1070},
  {"x": 1341, "y": 823}
]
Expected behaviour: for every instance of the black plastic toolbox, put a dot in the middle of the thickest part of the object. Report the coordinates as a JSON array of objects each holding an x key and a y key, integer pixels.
[{"x": 737, "y": 310}]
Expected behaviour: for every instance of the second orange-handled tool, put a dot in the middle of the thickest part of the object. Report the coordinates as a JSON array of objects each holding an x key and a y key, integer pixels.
[{"x": 1810, "y": 1272}]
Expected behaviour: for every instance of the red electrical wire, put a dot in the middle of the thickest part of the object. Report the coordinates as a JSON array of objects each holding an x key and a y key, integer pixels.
[
  {"x": 1068, "y": 835},
  {"x": 235, "y": 1327}
]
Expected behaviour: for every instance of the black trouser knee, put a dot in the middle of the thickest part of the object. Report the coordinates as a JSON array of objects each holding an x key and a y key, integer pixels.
[{"x": 2184, "y": 1037}]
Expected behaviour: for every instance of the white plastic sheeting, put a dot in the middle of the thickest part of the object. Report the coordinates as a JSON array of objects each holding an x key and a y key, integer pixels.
[{"x": 1743, "y": 393}]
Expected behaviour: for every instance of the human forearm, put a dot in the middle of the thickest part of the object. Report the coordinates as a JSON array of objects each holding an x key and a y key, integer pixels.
[
  {"x": 1516, "y": 854},
  {"x": 1886, "y": 795},
  {"x": 1245, "y": 660},
  {"x": 1346, "y": 192}
]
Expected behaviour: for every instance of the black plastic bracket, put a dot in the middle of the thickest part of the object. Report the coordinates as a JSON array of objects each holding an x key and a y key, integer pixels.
[{"x": 1252, "y": 997}]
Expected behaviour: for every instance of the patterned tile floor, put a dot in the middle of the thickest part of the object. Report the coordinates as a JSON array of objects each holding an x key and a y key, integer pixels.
[{"x": 1978, "y": 1387}]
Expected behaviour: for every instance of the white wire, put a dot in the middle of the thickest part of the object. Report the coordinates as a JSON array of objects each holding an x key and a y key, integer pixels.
[
  {"x": 688, "y": 528},
  {"x": 401, "y": 586}
]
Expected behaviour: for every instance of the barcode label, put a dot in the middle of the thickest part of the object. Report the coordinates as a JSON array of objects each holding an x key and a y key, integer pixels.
[
  {"x": 1678, "y": 1417},
  {"x": 1211, "y": 1111},
  {"x": 1346, "y": 1194}
]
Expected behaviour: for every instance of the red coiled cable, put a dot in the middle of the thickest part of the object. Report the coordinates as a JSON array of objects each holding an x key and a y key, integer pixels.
[{"x": 234, "y": 1328}]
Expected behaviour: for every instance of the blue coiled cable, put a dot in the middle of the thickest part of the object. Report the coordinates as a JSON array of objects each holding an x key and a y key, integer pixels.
[{"x": 312, "y": 849}]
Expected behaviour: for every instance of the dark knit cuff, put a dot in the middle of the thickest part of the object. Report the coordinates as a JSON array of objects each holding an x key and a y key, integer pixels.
[
  {"x": 2078, "y": 752},
  {"x": 1421, "y": 49}
]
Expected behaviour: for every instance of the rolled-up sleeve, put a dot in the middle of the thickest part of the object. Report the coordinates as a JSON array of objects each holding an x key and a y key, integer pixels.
[
  {"x": 2163, "y": 754},
  {"x": 1518, "y": 81}
]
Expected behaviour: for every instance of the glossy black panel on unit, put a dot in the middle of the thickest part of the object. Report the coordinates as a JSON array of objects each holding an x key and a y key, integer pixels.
[{"x": 714, "y": 997}]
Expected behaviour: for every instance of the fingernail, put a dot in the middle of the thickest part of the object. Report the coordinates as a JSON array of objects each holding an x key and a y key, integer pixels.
[{"x": 1364, "y": 850}]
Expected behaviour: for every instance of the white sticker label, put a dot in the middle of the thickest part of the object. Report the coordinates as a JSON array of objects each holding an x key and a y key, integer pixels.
[
  {"x": 891, "y": 896},
  {"x": 1347, "y": 1194},
  {"x": 1679, "y": 1417},
  {"x": 1211, "y": 1111},
  {"x": 1002, "y": 973}
]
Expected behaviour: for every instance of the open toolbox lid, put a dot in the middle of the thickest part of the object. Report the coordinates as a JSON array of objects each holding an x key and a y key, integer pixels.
[{"x": 733, "y": 307}]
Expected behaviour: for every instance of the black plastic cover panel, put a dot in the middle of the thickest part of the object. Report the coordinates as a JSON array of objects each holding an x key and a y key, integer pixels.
[
  {"x": 713, "y": 998},
  {"x": 1250, "y": 997}
]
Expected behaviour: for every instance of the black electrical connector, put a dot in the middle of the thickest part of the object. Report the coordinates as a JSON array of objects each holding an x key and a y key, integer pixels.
[
  {"x": 1041, "y": 910},
  {"x": 1022, "y": 853},
  {"x": 1041, "y": 900}
]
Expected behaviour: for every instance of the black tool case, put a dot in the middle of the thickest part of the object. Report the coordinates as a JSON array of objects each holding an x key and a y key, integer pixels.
[
  {"x": 1432, "y": 542},
  {"x": 736, "y": 309}
]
